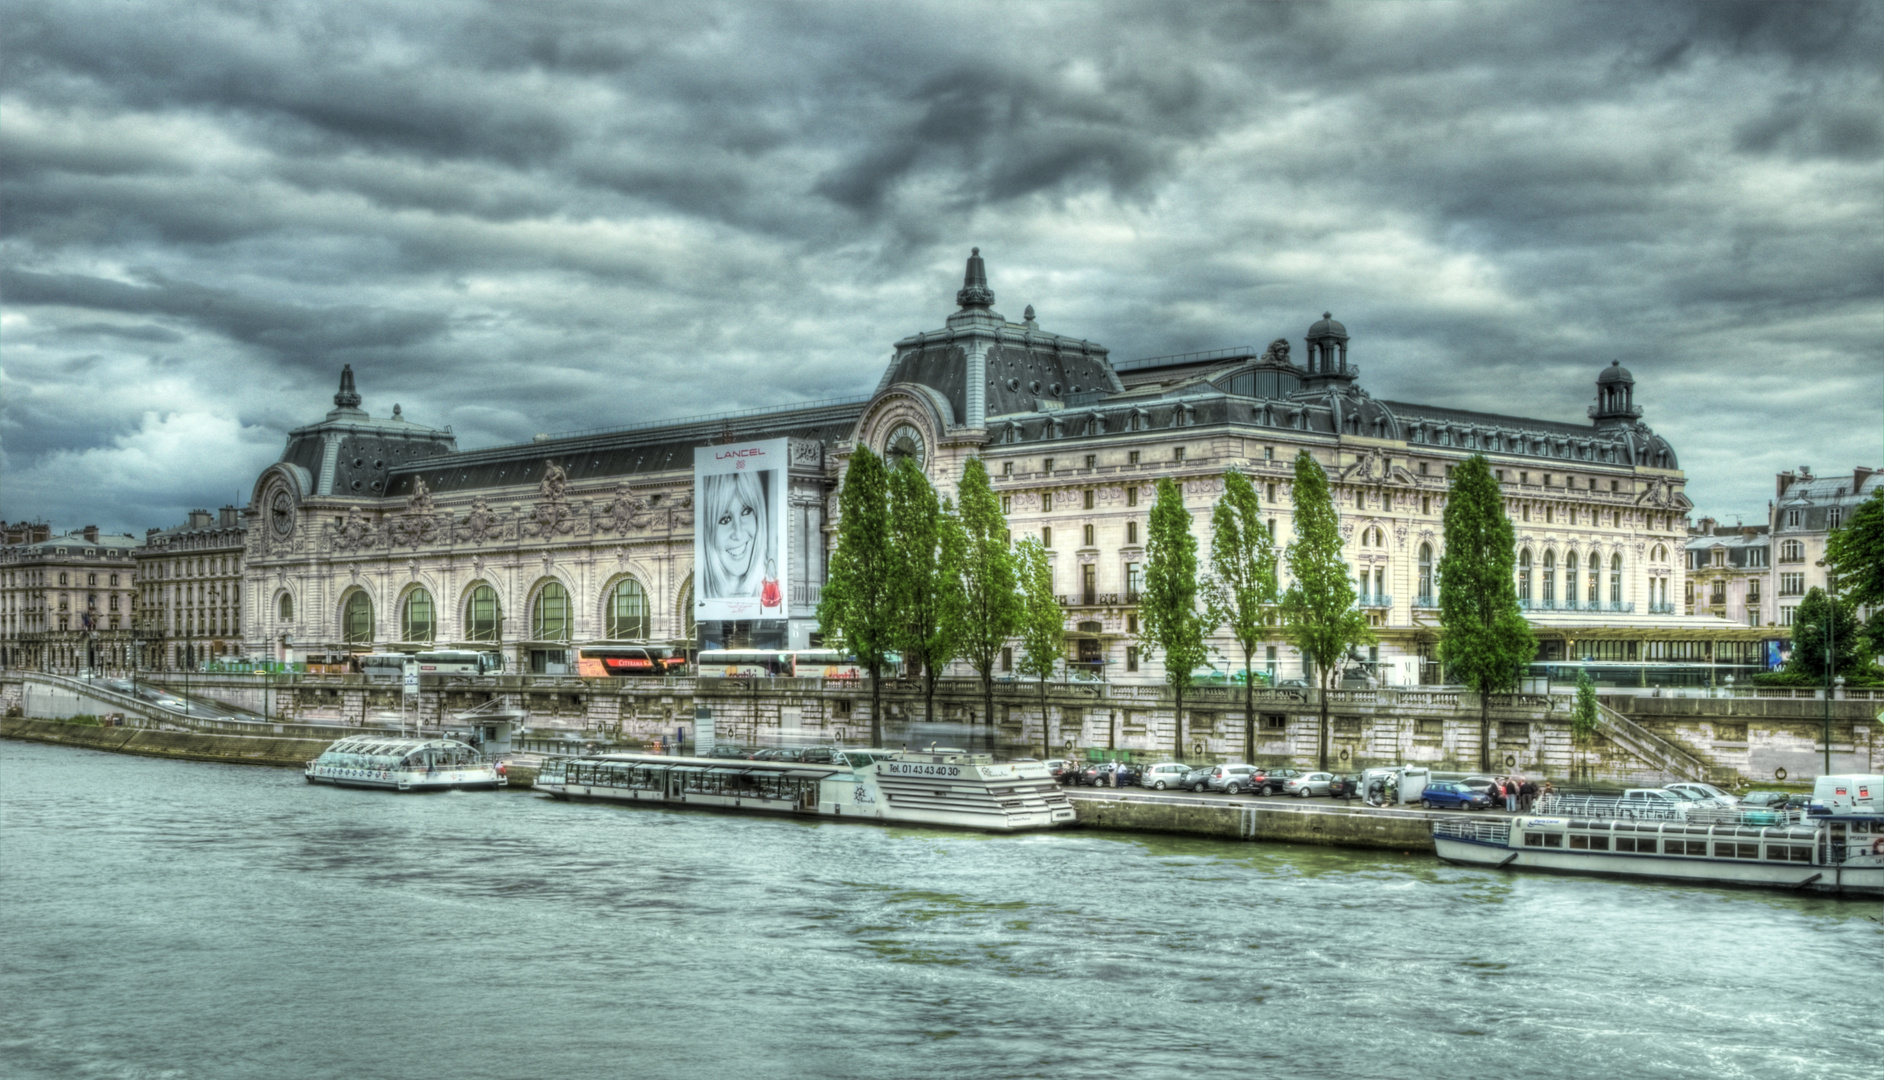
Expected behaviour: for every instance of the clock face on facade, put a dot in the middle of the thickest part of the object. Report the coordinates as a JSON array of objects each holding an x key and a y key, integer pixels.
[
  {"x": 281, "y": 513},
  {"x": 904, "y": 441}
]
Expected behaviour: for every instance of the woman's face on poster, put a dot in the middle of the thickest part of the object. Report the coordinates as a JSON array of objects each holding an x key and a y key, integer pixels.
[{"x": 736, "y": 534}]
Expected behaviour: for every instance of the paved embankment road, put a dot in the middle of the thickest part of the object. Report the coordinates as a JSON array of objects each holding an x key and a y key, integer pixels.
[
  {"x": 184, "y": 745},
  {"x": 1268, "y": 819}
]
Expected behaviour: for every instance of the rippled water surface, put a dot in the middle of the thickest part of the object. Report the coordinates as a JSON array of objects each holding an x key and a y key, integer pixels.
[{"x": 169, "y": 919}]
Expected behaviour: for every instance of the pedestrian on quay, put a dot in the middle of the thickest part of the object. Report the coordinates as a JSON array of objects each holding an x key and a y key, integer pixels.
[
  {"x": 1118, "y": 774},
  {"x": 1527, "y": 793},
  {"x": 1511, "y": 794}
]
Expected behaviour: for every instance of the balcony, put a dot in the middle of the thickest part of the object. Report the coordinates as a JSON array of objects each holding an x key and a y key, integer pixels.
[
  {"x": 1426, "y": 601},
  {"x": 1376, "y": 600},
  {"x": 1661, "y": 607}
]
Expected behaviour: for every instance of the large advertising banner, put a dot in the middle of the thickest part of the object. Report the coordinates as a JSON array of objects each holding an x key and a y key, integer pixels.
[{"x": 739, "y": 540}]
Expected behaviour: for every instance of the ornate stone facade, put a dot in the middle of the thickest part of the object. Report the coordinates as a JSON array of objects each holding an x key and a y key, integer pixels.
[{"x": 1073, "y": 441}]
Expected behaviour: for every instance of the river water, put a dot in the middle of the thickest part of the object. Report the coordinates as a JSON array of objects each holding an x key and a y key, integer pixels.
[{"x": 168, "y": 919}]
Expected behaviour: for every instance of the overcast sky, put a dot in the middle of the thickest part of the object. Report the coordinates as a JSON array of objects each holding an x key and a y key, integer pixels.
[{"x": 536, "y": 217}]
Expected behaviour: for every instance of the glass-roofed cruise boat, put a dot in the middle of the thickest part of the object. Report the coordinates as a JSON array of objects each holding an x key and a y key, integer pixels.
[
  {"x": 1837, "y": 846},
  {"x": 401, "y": 764},
  {"x": 937, "y": 786}
]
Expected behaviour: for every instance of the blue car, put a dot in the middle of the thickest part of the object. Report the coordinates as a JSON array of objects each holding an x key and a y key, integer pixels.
[{"x": 1452, "y": 795}]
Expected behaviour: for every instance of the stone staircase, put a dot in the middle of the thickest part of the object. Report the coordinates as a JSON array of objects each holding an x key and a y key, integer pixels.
[{"x": 1661, "y": 754}]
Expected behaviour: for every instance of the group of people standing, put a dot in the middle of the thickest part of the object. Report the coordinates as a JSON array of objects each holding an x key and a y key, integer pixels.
[{"x": 1518, "y": 792}]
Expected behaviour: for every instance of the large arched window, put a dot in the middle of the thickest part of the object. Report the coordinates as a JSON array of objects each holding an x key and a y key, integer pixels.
[
  {"x": 1426, "y": 575},
  {"x": 356, "y": 620},
  {"x": 1595, "y": 565},
  {"x": 1550, "y": 580},
  {"x": 1570, "y": 580},
  {"x": 628, "y": 612},
  {"x": 484, "y": 617},
  {"x": 1792, "y": 551},
  {"x": 418, "y": 621},
  {"x": 1615, "y": 578},
  {"x": 286, "y": 607},
  {"x": 1524, "y": 577},
  {"x": 549, "y": 620}
]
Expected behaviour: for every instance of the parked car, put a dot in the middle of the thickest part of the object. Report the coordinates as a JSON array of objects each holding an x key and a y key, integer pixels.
[
  {"x": 1454, "y": 795},
  {"x": 1656, "y": 802},
  {"x": 1315, "y": 783},
  {"x": 1231, "y": 779},
  {"x": 1105, "y": 774},
  {"x": 1704, "y": 791},
  {"x": 1344, "y": 786},
  {"x": 1165, "y": 774},
  {"x": 1273, "y": 780},
  {"x": 1064, "y": 772},
  {"x": 1482, "y": 783},
  {"x": 1774, "y": 800},
  {"x": 1195, "y": 779}
]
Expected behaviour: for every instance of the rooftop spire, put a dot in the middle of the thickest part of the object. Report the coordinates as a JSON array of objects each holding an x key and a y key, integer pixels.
[
  {"x": 975, "y": 292},
  {"x": 348, "y": 398}
]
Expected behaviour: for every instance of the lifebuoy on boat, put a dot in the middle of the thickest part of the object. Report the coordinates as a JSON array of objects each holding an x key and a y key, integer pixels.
[{"x": 1877, "y": 846}]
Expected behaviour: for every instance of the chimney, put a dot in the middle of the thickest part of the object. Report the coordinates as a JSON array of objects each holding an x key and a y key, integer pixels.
[
  {"x": 1805, "y": 472},
  {"x": 90, "y": 532},
  {"x": 199, "y": 519},
  {"x": 226, "y": 517},
  {"x": 1857, "y": 479},
  {"x": 1707, "y": 526},
  {"x": 1785, "y": 481}
]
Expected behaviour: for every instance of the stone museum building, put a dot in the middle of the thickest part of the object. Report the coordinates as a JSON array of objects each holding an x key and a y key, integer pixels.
[
  {"x": 377, "y": 532},
  {"x": 68, "y": 603}
]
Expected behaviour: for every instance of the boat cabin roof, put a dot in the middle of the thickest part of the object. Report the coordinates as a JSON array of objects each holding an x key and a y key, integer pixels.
[{"x": 381, "y": 746}]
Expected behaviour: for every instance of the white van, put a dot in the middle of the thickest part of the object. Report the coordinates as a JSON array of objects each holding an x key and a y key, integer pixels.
[
  {"x": 1410, "y": 781},
  {"x": 1852, "y": 794}
]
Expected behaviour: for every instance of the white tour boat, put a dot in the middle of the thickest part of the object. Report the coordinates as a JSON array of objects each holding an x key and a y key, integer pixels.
[
  {"x": 1837, "y": 846},
  {"x": 401, "y": 764},
  {"x": 934, "y": 787}
]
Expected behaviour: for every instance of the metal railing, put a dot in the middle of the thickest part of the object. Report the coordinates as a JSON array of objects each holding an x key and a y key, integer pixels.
[
  {"x": 1376, "y": 600},
  {"x": 1663, "y": 755},
  {"x": 1485, "y": 832}
]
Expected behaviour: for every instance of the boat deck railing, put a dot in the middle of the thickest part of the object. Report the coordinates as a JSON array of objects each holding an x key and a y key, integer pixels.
[
  {"x": 1478, "y": 829},
  {"x": 1611, "y": 808}
]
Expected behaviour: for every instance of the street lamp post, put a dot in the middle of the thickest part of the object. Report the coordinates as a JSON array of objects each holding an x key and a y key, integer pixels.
[{"x": 1831, "y": 629}]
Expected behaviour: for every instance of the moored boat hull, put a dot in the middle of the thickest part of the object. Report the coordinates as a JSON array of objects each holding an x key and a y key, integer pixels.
[{"x": 1844, "y": 880}]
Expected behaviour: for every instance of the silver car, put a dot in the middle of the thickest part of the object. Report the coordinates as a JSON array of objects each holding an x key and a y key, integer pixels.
[
  {"x": 1707, "y": 792},
  {"x": 1315, "y": 783},
  {"x": 1233, "y": 779},
  {"x": 1165, "y": 774}
]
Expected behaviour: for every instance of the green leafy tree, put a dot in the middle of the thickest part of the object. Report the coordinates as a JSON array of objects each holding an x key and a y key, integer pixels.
[
  {"x": 1168, "y": 616},
  {"x": 1318, "y": 611},
  {"x": 1818, "y": 612},
  {"x": 1042, "y": 623},
  {"x": 1583, "y": 716},
  {"x": 1241, "y": 592},
  {"x": 1856, "y": 552},
  {"x": 856, "y": 608},
  {"x": 926, "y": 579},
  {"x": 990, "y": 610},
  {"x": 1485, "y": 641}
]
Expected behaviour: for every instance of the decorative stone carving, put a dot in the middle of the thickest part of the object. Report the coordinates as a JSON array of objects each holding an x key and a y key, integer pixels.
[
  {"x": 629, "y": 510},
  {"x": 1277, "y": 352},
  {"x": 481, "y": 523},
  {"x": 683, "y": 510},
  {"x": 355, "y": 533},
  {"x": 552, "y": 515}
]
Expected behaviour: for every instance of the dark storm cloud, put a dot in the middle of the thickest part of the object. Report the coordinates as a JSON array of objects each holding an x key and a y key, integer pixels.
[{"x": 537, "y": 217}]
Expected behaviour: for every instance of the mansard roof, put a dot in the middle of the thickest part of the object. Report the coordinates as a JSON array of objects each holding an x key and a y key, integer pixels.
[{"x": 637, "y": 450}]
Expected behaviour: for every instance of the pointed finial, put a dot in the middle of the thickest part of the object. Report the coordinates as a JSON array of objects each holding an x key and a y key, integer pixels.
[
  {"x": 396, "y": 415},
  {"x": 975, "y": 292},
  {"x": 348, "y": 397}
]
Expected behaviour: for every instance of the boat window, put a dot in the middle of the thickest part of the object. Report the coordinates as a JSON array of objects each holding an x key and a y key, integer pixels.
[
  {"x": 1788, "y": 853},
  {"x": 1589, "y": 843},
  {"x": 1641, "y": 845},
  {"x": 1736, "y": 851},
  {"x": 1685, "y": 847}
]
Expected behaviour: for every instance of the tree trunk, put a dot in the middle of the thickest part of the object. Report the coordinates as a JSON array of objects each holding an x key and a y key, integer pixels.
[
  {"x": 1484, "y": 731},
  {"x": 876, "y": 705},
  {"x": 1249, "y": 710},
  {"x": 928, "y": 693},
  {"x": 987, "y": 700},
  {"x": 1323, "y": 695},
  {"x": 1043, "y": 712},
  {"x": 1178, "y": 723}
]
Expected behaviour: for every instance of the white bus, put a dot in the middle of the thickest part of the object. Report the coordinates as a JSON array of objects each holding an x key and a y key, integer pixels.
[{"x": 460, "y": 662}]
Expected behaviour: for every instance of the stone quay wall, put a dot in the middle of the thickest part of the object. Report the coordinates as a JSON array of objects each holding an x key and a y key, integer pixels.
[{"x": 1751, "y": 738}]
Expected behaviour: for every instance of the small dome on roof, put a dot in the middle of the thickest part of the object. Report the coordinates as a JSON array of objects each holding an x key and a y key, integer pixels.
[
  {"x": 1615, "y": 372},
  {"x": 1327, "y": 327}
]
